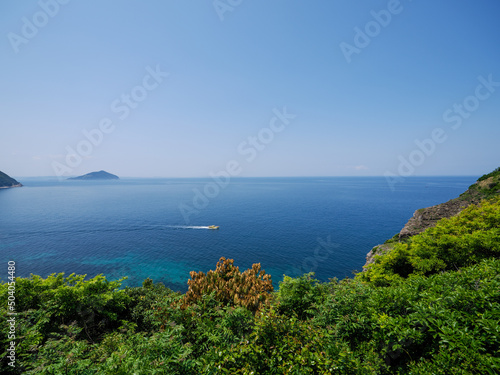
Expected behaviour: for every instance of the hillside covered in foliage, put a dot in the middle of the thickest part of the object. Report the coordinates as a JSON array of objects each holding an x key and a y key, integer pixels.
[
  {"x": 429, "y": 306},
  {"x": 7, "y": 181},
  {"x": 486, "y": 187}
]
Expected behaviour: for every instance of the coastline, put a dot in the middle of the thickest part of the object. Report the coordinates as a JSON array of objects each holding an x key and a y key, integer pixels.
[
  {"x": 485, "y": 187},
  {"x": 12, "y": 186}
]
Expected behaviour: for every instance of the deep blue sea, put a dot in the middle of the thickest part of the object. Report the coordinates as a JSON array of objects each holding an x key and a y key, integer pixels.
[{"x": 134, "y": 227}]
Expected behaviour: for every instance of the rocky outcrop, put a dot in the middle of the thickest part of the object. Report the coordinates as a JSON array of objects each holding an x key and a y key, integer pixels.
[
  {"x": 488, "y": 186},
  {"x": 421, "y": 220},
  {"x": 428, "y": 217},
  {"x": 8, "y": 182},
  {"x": 378, "y": 250}
]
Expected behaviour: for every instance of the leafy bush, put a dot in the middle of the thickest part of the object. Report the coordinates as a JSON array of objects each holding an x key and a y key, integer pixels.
[
  {"x": 456, "y": 242},
  {"x": 145, "y": 302},
  {"x": 422, "y": 320},
  {"x": 250, "y": 289},
  {"x": 63, "y": 310},
  {"x": 297, "y": 296},
  {"x": 284, "y": 345}
]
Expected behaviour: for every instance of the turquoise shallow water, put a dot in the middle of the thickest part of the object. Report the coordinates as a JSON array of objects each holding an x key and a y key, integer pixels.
[{"x": 134, "y": 227}]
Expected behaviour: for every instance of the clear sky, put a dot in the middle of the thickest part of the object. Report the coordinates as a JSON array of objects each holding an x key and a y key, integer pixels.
[{"x": 180, "y": 88}]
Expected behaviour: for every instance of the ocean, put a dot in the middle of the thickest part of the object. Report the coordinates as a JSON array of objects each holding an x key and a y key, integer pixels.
[{"x": 157, "y": 228}]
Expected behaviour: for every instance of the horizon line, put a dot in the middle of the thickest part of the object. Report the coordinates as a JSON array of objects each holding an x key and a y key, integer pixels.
[{"x": 287, "y": 176}]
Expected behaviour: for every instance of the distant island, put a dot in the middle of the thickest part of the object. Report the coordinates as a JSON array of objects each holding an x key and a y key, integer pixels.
[
  {"x": 101, "y": 175},
  {"x": 8, "y": 182}
]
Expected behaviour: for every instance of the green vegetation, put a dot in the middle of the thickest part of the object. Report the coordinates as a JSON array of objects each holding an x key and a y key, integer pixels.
[
  {"x": 486, "y": 187},
  {"x": 430, "y": 305},
  {"x": 445, "y": 323},
  {"x": 7, "y": 181},
  {"x": 453, "y": 243},
  {"x": 393, "y": 239}
]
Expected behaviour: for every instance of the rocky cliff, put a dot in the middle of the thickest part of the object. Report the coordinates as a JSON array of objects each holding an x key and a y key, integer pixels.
[{"x": 485, "y": 187}]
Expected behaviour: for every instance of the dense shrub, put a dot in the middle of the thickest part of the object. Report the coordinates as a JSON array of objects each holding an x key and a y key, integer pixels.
[
  {"x": 459, "y": 241},
  {"x": 297, "y": 296},
  {"x": 145, "y": 302},
  {"x": 62, "y": 310},
  {"x": 250, "y": 289}
]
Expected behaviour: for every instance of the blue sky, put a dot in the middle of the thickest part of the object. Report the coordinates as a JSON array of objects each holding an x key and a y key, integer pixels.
[{"x": 363, "y": 85}]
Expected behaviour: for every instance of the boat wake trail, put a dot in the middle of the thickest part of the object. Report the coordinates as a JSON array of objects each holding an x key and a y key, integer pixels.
[{"x": 188, "y": 227}]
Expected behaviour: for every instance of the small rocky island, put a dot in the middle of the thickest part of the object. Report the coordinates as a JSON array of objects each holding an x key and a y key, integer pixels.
[
  {"x": 101, "y": 175},
  {"x": 8, "y": 182}
]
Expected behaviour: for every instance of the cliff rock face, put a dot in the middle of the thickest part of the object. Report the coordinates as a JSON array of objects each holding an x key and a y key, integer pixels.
[
  {"x": 377, "y": 250},
  {"x": 428, "y": 217},
  {"x": 485, "y": 187},
  {"x": 8, "y": 182}
]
